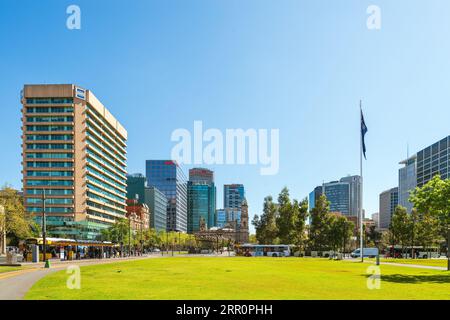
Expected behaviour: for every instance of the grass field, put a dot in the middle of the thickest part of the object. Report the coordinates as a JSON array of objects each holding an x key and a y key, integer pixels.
[
  {"x": 243, "y": 278},
  {"x": 7, "y": 269},
  {"x": 422, "y": 262}
]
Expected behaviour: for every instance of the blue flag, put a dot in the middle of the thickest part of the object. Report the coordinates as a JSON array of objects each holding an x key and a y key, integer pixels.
[{"x": 363, "y": 133}]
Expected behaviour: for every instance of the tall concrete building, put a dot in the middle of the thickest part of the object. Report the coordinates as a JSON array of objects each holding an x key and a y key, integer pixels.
[
  {"x": 388, "y": 203},
  {"x": 376, "y": 219},
  {"x": 201, "y": 199},
  {"x": 168, "y": 177},
  {"x": 74, "y": 149},
  {"x": 344, "y": 195},
  {"x": 407, "y": 181},
  {"x": 233, "y": 195}
]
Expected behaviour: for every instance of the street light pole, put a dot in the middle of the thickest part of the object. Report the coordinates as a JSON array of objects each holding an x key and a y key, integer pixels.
[
  {"x": 3, "y": 230},
  {"x": 44, "y": 229},
  {"x": 129, "y": 236},
  {"x": 167, "y": 242},
  {"x": 448, "y": 249}
]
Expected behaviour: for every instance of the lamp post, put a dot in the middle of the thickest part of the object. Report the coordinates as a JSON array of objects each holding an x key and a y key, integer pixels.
[
  {"x": 3, "y": 230},
  {"x": 173, "y": 240},
  {"x": 44, "y": 231},
  {"x": 448, "y": 249},
  {"x": 167, "y": 242},
  {"x": 129, "y": 236}
]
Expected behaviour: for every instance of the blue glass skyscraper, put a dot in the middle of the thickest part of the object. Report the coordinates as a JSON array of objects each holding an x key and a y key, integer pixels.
[
  {"x": 167, "y": 176},
  {"x": 201, "y": 199},
  {"x": 233, "y": 195}
]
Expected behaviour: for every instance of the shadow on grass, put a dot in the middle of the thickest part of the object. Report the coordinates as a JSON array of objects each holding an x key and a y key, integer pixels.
[{"x": 406, "y": 278}]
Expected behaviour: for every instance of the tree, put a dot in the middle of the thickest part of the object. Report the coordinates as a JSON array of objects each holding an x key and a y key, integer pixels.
[
  {"x": 265, "y": 226},
  {"x": 320, "y": 224},
  {"x": 400, "y": 227},
  {"x": 301, "y": 211},
  {"x": 291, "y": 219},
  {"x": 427, "y": 230},
  {"x": 286, "y": 219},
  {"x": 373, "y": 237},
  {"x": 18, "y": 223},
  {"x": 434, "y": 198},
  {"x": 252, "y": 239}
]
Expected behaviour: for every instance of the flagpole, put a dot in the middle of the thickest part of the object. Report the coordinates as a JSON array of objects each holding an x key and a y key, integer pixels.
[{"x": 361, "y": 191}]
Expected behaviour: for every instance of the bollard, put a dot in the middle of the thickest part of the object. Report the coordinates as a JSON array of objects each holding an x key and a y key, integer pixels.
[{"x": 378, "y": 259}]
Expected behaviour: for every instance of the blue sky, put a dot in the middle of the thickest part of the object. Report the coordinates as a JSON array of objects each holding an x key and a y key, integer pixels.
[{"x": 300, "y": 66}]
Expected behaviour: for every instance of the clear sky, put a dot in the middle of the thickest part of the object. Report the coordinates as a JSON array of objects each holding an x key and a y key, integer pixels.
[{"x": 299, "y": 66}]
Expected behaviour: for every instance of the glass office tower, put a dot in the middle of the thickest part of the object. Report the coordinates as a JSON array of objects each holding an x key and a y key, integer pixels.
[
  {"x": 136, "y": 186},
  {"x": 314, "y": 196},
  {"x": 74, "y": 150},
  {"x": 167, "y": 176},
  {"x": 433, "y": 160},
  {"x": 230, "y": 217},
  {"x": 233, "y": 195},
  {"x": 157, "y": 203},
  {"x": 344, "y": 195},
  {"x": 407, "y": 181},
  {"x": 338, "y": 194},
  {"x": 388, "y": 203},
  {"x": 201, "y": 199}
]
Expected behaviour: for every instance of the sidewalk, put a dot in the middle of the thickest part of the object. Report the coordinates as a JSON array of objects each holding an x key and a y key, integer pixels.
[{"x": 417, "y": 266}]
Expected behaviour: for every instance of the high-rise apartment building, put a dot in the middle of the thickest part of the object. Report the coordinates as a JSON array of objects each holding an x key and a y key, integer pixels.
[
  {"x": 233, "y": 195},
  {"x": 201, "y": 199},
  {"x": 74, "y": 150},
  {"x": 167, "y": 177},
  {"x": 388, "y": 203}
]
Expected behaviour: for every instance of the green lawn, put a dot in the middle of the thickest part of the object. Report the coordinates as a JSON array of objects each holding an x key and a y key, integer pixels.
[
  {"x": 243, "y": 278},
  {"x": 422, "y": 262},
  {"x": 7, "y": 269}
]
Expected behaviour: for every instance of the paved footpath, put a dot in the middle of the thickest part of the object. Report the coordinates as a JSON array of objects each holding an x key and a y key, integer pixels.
[
  {"x": 15, "y": 284},
  {"x": 417, "y": 266}
]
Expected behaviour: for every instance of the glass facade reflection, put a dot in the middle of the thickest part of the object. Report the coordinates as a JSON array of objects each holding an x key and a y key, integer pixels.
[
  {"x": 167, "y": 176},
  {"x": 233, "y": 195},
  {"x": 201, "y": 199}
]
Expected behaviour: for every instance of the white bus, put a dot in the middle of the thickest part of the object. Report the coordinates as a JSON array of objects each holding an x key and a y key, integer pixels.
[{"x": 263, "y": 250}]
